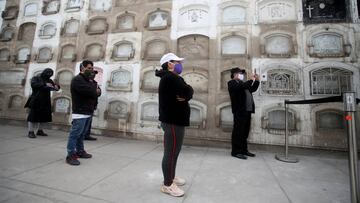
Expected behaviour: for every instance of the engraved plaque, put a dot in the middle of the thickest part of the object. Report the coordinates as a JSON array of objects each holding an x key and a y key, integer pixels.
[
  {"x": 156, "y": 48},
  {"x": 158, "y": 19},
  {"x": 62, "y": 105},
  {"x": 234, "y": 46},
  {"x": 126, "y": 22},
  {"x": 278, "y": 45},
  {"x": 31, "y": 9},
  {"x": 52, "y": 7},
  {"x": 194, "y": 17},
  {"x": 120, "y": 78},
  {"x": 94, "y": 51},
  {"x": 328, "y": 44},
  {"x": 72, "y": 27},
  {"x": 234, "y": 14},
  {"x": 150, "y": 81},
  {"x": 100, "y": 5},
  {"x": 277, "y": 11},
  {"x": 194, "y": 47},
  {"x": 97, "y": 25},
  {"x": 150, "y": 111},
  {"x": 68, "y": 52},
  {"x": 23, "y": 54},
  {"x": 118, "y": 109},
  {"x": 197, "y": 80}
]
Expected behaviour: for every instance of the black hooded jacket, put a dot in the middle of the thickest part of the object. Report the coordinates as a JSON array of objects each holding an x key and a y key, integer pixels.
[
  {"x": 172, "y": 87},
  {"x": 84, "y": 95}
]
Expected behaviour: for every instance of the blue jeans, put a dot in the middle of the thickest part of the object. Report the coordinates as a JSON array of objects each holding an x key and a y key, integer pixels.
[{"x": 78, "y": 130}]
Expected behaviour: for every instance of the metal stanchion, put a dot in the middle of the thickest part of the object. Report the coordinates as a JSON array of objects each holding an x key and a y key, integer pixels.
[
  {"x": 350, "y": 109},
  {"x": 285, "y": 157}
]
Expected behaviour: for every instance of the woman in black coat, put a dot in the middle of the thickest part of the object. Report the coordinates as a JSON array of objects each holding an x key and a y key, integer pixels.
[{"x": 39, "y": 102}]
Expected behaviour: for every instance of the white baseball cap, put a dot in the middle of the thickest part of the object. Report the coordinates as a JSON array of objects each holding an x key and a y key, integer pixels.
[{"x": 169, "y": 57}]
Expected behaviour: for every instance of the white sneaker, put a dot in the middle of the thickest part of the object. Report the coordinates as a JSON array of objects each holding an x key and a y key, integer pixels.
[
  {"x": 179, "y": 181},
  {"x": 172, "y": 190}
]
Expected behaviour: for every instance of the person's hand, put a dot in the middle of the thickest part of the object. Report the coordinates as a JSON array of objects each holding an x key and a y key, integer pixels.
[
  {"x": 49, "y": 84},
  {"x": 98, "y": 90},
  {"x": 179, "y": 98},
  {"x": 256, "y": 77}
]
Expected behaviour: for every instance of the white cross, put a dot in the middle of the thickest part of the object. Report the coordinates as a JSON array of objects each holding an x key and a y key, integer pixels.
[{"x": 309, "y": 9}]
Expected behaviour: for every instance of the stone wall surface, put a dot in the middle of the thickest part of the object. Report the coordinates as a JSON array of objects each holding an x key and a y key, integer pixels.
[{"x": 302, "y": 49}]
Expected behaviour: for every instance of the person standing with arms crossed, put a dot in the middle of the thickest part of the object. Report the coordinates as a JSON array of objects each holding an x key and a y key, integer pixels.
[
  {"x": 174, "y": 114},
  {"x": 242, "y": 105}
]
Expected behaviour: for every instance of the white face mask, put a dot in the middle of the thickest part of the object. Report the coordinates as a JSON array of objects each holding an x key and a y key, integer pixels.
[{"x": 240, "y": 76}]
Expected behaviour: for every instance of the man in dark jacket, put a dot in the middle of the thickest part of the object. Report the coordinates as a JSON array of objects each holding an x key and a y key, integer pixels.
[
  {"x": 40, "y": 102},
  {"x": 174, "y": 114},
  {"x": 84, "y": 94},
  {"x": 242, "y": 104}
]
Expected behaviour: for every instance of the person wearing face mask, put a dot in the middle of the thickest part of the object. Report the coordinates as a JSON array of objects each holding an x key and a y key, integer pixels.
[
  {"x": 174, "y": 114},
  {"x": 242, "y": 104},
  {"x": 39, "y": 102},
  {"x": 84, "y": 95}
]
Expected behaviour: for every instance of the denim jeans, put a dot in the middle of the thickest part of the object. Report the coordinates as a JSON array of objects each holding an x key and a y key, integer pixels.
[{"x": 78, "y": 130}]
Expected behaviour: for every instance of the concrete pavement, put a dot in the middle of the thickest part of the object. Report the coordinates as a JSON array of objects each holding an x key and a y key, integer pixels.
[{"x": 34, "y": 170}]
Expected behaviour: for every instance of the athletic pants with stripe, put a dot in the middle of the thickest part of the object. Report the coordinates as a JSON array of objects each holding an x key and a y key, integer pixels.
[{"x": 173, "y": 139}]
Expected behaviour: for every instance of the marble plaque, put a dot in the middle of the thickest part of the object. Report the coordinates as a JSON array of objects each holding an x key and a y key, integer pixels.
[
  {"x": 126, "y": 22},
  {"x": 275, "y": 10},
  {"x": 197, "y": 81},
  {"x": 234, "y": 14},
  {"x": 94, "y": 51},
  {"x": 11, "y": 77},
  {"x": 65, "y": 77},
  {"x": 118, "y": 109},
  {"x": 120, "y": 78},
  {"x": 68, "y": 52},
  {"x": 100, "y": 5},
  {"x": 158, "y": 19},
  {"x": 225, "y": 77},
  {"x": 328, "y": 44},
  {"x": 44, "y": 53},
  {"x": 31, "y": 9},
  {"x": 150, "y": 111},
  {"x": 330, "y": 120},
  {"x": 278, "y": 45},
  {"x": 48, "y": 30},
  {"x": 4, "y": 54},
  {"x": 150, "y": 81},
  {"x": 97, "y": 25},
  {"x": 156, "y": 48},
  {"x": 194, "y": 17},
  {"x": 194, "y": 47},
  {"x": 16, "y": 102},
  {"x": 72, "y": 27},
  {"x": 123, "y": 50},
  {"x": 23, "y": 54},
  {"x": 53, "y": 6},
  {"x": 11, "y": 12},
  {"x": 74, "y": 4},
  {"x": 325, "y": 11},
  {"x": 277, "y": 120},
  {"x": 234, "y": 46},
  {"x": 195, "y": 116},
  {"x": 62, "y": 105},
  {"x": 127, "y": 2},
  {"x": 226, "y": 117}
]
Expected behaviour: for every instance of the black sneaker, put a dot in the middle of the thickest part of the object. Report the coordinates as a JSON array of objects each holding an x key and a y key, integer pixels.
[
  {"x": 90, "y": 138},
  {"x": 72, "y": 160},
  {"x": 41, "y": 133},
  {"x": 249, "y": 154},
  {"x": 31, "y": 134},
  {"x": 83, "y": 155},
  {"x": 239, "y": 156}
]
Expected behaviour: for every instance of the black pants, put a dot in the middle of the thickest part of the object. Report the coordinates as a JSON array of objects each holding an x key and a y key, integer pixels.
[
  {"x": 240, "y": 132},
  {"x": 173, "y": 139}
]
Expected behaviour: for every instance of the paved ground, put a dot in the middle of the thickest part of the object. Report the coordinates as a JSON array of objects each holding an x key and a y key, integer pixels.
[{"x": 34, "y": 170}]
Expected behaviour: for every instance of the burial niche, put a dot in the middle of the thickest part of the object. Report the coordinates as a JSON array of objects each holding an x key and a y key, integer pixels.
[
  {"x": 68, "y": 53},
  {"x": 125, "y": 23},
  {"x": 7, "y": 34},
  {"x": 51, "y": 7},
  {"x": 62, "y": 105},
  {"x": 225, "y": 77},
  {"x": 23, "y": 55},
  {"x": 155, "y": 49},
  {"x": 329, "y": 120},
  {"x": 15, "y": 102},
  {"x": 100, "y": 5},
  {"x": 325, "y": 11},
  {"x": 149, "y": 81},
  {"x": 331, "y": 81},
  {"x": 97, "y": 26},
  {"x": 48, "y": 30},
  {"x": 275, "y": 122},
  {"x": 12, "y": 78},
  {"x": 10, "y": 13},
  {"x": 94, "y": 52},
  {"x": 278, "y": 45},
  {"x": 280, "y": 82},
  {"x": 123, "y": 51},
  {"x": 328, "y": 45},
  {"x": 158, "y": 20},
  {"x": 120, "y": 80},
  {"x": 150, "y": 112},
  {"x": 199, "y": 81},
  {"x": 118, "y": 110},
  {"x": 31, "y": 9},
  {"x": 71, "y": 27},
  {"x": 226, "y": 118},
  {"x": 234, "y": 15},
  {"x": 277, "y": 10},
  {"x": 27, "y": 32},
  {"x": 74, "y": 5},
  {"x": 44, "y": 55},
  {"x": 65, "y": 77},
  {"x": 194, "y": 47},
  {"x": 233, "y": 46},
  {"x": 194, "y": 16},
  {"x": 4, "y": 54}
]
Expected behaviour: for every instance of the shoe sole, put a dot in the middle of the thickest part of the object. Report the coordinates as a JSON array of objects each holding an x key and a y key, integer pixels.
[{"x": 163, "y": 191}]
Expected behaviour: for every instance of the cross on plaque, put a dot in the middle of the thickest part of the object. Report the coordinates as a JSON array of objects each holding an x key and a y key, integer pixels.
[{"x": 309, "y": 9}]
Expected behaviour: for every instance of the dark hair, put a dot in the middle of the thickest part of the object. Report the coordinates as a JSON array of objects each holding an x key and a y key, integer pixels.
[
  {"x": 85, "y": 63},
  {"x": 164, "y": 66}
]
